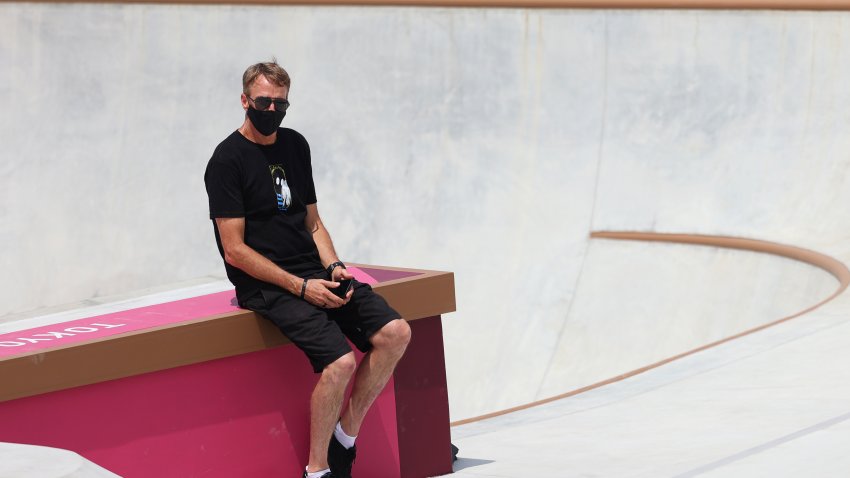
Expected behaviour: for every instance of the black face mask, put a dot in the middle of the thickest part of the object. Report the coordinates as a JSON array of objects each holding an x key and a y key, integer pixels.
[{"x": 266, "y": 122}]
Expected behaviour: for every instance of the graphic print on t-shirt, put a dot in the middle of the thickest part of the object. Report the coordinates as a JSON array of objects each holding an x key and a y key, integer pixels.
[{"x": 281, "y": 188}]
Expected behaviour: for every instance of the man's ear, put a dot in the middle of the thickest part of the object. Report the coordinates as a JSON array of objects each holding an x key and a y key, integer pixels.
[{"x": 244, "y": 100}]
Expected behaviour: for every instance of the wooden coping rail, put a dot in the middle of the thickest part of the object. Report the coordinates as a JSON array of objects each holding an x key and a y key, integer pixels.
[{"x": 583, "y": 4}]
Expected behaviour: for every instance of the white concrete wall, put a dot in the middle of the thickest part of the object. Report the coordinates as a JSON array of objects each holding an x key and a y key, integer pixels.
[{"x": 486, "y": 142}]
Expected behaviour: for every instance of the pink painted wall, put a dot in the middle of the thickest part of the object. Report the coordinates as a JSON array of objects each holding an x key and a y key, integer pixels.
[{"x": 243, "y": 416}]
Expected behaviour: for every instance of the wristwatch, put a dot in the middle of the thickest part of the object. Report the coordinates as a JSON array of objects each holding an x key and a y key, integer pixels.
[{"x": 334, "y": 266}]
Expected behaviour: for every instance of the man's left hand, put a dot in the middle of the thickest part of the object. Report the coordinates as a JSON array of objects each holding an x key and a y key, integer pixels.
[{"x": 340, "y": 273}]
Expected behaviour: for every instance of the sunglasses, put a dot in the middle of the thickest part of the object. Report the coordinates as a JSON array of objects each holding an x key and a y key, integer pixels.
[{"x": 262, "y": 103}]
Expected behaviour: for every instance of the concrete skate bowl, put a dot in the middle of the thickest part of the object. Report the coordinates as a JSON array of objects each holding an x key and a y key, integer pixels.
[
  {"x": 488, "y": 142},
  {"x": 610, "y": 349}
]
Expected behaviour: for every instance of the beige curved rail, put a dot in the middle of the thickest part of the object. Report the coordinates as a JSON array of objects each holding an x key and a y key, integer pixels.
[
  {"x": 597, "y": 4},
  {"x": 823, "y": 261}
]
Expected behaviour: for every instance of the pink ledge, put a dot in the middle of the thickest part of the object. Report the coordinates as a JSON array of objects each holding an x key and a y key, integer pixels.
[{"x": 186, "y": 310}]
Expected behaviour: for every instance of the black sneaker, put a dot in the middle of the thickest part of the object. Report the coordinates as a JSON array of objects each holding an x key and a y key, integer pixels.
[
  {"x": 340, "y": 458},
  {"x": 326, "y": 475}
]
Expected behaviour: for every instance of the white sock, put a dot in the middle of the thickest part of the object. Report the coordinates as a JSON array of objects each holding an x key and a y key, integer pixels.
[
  {"x": 317, "y": 474},
  {"x": 342, "y": 438}
]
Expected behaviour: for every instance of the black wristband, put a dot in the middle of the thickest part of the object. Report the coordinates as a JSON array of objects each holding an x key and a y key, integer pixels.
[
  {"x": 303, "y": 288},
  {"x": 334, "y": 266}
]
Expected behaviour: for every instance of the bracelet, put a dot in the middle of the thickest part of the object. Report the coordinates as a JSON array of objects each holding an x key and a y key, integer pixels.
[
  {"x": 303, "y": 288},
  {"x": 334, "y": 266}
]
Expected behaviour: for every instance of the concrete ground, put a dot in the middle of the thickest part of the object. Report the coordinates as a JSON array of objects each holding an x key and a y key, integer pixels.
[{"x": 29, "y": 461}]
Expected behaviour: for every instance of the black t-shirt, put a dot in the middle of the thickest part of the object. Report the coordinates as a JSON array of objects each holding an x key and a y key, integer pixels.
[{"x": 270, "y": 186}]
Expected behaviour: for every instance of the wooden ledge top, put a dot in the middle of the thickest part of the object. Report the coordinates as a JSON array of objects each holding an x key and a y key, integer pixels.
[{"x": 180, "y": 333}]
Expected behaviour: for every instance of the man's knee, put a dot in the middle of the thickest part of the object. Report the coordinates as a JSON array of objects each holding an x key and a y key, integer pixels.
[
  {"x": 394, "y": 335},
  {"x": 341, "y": 369}
]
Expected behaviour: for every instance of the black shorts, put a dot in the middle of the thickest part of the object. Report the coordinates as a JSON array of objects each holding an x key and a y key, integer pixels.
[{"x": 320, "y": 333}]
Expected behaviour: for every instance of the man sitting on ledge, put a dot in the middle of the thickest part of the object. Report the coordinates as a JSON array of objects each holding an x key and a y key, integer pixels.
[{"x": 281, "y": 260}]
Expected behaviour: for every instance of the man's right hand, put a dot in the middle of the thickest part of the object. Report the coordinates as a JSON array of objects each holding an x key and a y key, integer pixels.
[{"x": 319, "y": 294}]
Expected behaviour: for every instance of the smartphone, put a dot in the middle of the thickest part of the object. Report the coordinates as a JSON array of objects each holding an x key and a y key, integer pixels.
[{"x": 345, "y": 285}]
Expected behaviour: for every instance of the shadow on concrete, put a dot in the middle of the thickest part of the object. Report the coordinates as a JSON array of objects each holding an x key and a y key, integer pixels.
[{"x": 462, "y": 463}]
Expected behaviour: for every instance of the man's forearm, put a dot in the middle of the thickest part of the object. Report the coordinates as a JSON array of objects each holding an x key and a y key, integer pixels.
[
  {"x": 258, "y": 266},
  {"x": 324, "y": 244}
]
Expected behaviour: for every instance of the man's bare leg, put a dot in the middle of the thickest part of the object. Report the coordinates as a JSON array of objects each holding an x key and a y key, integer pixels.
[
  {"x": 388, "y": 345},
  {"x": 325, "y": 405}
]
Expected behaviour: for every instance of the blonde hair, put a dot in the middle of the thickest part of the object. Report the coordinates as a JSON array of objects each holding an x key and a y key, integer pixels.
[{"x": 270, "y": 70}]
